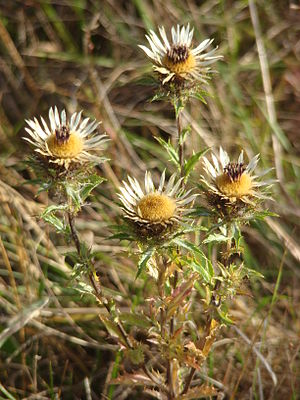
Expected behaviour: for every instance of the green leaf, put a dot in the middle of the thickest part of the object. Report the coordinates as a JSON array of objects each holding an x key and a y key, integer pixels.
[
  {"x": 237, "y": 235},
  {"x": 112, "y": 328},
  {"x": 89, "y": 186},
  {"x": 178, "y": 106},
  {"x": 56, "y": 222},
  {"x": 53, "y": 208},
  {"x": 200, "y": 269},
  {"x": 144, "y": 260},
  {"x": 261, "y": 215},
  {"x": 121, "y": 236},
  {"x": 202, "y": 264},
  {"x": 133, "y": 319},
  {"x": 184, "y": 133},
  {"x": 73, "y": 194},
  {"x": 216, "y": 237},
  {"x": 252, "y": 273},
  {"x": 188, "y": 246},
  {"x": 170, "y": 150},
  {"x": 224, "y": 317},
  {"x": 200, "y": 96},
  {"x": 49, "y": 216},
  {"x": 200, "y": 212},
  {"x": 192, "y": 161}
]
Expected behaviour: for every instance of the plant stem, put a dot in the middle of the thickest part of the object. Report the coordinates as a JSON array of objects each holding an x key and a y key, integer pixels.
[
  {"x": 228, "y": 245},
  {"x": 94, "y": 280},
  {"x": 180, "y": 143},
  {"x": 74, "y": 233},
  {"x": 188, "y": 381},
  {"x": 97, "y": 288}
]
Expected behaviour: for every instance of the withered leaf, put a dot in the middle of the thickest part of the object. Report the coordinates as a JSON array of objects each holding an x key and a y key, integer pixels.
[{"x": 199, "y": 393}]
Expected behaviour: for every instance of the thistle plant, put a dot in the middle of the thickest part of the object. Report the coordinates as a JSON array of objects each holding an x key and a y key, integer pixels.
[{"x": 171, "y": 333}]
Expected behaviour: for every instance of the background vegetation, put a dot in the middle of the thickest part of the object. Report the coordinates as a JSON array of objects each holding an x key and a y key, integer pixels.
[{"x": 83, "y": 54}]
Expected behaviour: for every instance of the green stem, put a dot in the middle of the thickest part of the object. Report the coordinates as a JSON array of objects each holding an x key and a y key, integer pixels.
[
  {"x": 180, "y": 143},
  {"x": 228, "y": 244}
]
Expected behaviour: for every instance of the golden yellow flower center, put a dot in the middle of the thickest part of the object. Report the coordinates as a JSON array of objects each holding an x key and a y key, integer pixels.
[
  {"x": 65, "y": 146},
  {"x": 179, "y": 60},
  {"x": 234, "y": 188},
  {"x": 157, "y": 207}
]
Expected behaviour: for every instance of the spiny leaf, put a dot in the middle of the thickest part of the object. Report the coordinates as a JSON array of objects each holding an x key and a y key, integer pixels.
[
  {"x": 57, "y": 223},
  {"x": 74, "y": 194},
  {"x": 203, "y": 271},
  {"x": 90, "y": 185},
  {"x": 215, "y": 237},
  {"x": 192, "y": 161},
  {"x": 170, "y": 150},
  {"x": 261, "y": 215},
  {"x": 184, "y": 134},
  {"x": 200, "y": 96},
  {"x": 144, "y": 260},
  {"x": 53, "y": 208},
  {"x": 201, "y": 264}
]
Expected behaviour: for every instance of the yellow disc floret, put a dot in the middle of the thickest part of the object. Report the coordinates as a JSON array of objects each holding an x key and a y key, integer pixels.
[
  {"x": 180, "y": 67},
  {"x": 69, "y": 148},
  {"x": 234, "y": 188},
  {"x": 156, "y": 207}
]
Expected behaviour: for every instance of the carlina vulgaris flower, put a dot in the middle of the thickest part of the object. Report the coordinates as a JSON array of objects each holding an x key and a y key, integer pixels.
[
  {"x": 177, "y": 60},
  {"x": 155, "y": 211},
  {"x": 234, "y": 182},
  {"x": 66, "y": 141}
]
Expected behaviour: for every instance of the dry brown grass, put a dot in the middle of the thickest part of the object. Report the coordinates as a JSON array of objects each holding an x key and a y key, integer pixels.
[{"x": 83, "y": 55}]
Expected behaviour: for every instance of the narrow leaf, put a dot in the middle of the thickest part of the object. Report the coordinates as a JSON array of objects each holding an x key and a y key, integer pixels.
[
  {"x": 144, "y": 260},
  {"x": 170, "y": 150},
  {"x": 192, "y": 161}
]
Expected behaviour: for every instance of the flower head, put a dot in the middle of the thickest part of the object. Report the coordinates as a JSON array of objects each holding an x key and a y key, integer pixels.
[
  {"x": 66, "y": 141},
  {"x": 234, "y": 181},
  {"x": 153, "y": 211},
  {"x": 178, "y": 60}
]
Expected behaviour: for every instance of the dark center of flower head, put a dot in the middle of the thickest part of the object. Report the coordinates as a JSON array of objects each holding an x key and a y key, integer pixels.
[
  {"x": 62, "y": 134},
  {"x": 234, "y": 171},
  {"x": 178, "y": 53}
]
